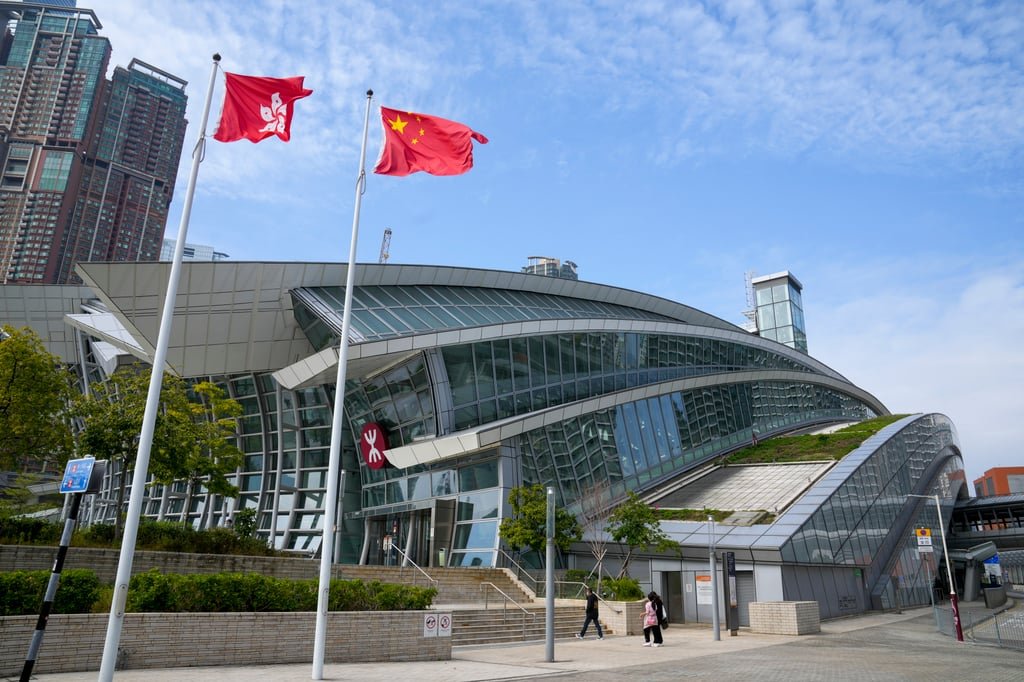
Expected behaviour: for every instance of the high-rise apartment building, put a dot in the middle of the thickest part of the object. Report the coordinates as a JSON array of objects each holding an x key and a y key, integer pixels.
[
  {"x": 128, "y": 175},
  {"x": 551, "y": 267},
  {"x": 87, "y": 166},
  {"x": 191, "y": 252}
]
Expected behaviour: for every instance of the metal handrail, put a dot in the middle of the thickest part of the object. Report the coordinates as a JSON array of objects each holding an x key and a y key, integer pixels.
[
  {"x": 584, "y": 586},
  {"x": 520, "y": 571},
  {"x": 414, "y": 564},
  {"x": 504, "y": 605}
]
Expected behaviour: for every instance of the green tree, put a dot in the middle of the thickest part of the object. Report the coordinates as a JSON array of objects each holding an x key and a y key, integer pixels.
[
  {"x": 634, "y": 524},
  {"x": 35, "y": 393},
  {"x": 112, "y": 421},
  {"x": 527, "y": 527},
  {"x": 207, "y": 456}
]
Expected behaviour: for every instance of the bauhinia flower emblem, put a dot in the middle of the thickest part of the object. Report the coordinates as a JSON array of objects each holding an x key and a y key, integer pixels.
[{"x": 274, "y": 115}]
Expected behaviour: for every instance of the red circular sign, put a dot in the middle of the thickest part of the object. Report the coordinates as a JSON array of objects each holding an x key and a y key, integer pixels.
[{"x": 373, "y": 445}]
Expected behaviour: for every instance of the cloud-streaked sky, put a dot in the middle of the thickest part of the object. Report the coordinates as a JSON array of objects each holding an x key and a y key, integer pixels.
[{"x": 874, "y": 149}]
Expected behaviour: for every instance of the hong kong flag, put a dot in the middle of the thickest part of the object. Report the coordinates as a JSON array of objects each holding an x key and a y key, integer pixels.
[{"x": 256, "y": 107}]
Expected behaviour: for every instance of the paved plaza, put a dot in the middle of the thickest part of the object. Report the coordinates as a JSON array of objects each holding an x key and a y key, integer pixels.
[{"x": 890, "y": 647}]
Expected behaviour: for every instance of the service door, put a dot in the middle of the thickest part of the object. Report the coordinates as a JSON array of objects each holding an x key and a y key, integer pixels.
[{"x": 745, "y": 593}]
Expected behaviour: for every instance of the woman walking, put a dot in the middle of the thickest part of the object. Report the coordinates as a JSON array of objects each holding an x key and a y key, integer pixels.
[{"x": 652, "y": 620}]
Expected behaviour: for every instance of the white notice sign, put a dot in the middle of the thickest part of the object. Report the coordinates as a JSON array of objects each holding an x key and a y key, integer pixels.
[
  {"x": 430, "y": 625},
  {"x": 704, "y": 594},
  {"x": 444, "y": 625}
]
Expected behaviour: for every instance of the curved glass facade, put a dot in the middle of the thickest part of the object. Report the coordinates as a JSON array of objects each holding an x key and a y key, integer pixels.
[
  {"x": 380, "y": 312},
  {"x": 635, "y": 444},
  {"x": 494, "y": 380},
  {"x": 866, "y": 521}
]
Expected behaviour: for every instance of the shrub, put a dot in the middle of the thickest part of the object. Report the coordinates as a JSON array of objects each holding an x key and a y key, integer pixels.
[
  {"x": 22, "y": 592},
  {"x": 240, "y": 592},
  {"x": 166, "y": 536},
  {"x": 245, "y": 522},
  {"x": 18, "y": 530},
  {"x": 622, "y": 589},
  {"x": 96, "y": 535},
  {"x": 576, "y": 575}
]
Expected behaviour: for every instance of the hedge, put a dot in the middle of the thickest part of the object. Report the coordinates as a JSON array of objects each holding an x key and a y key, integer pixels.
[
  {"x": 22, "y": 592},
  {"x": 153, "y": 591}
]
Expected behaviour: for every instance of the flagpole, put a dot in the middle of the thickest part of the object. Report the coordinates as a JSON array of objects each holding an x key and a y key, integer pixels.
[
  {"x": 334, "y": 465},
  {"x": 124, "y": 566}
]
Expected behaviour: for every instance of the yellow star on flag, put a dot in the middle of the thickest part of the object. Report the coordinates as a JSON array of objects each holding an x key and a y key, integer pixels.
[{"x": 398, "y": 124}]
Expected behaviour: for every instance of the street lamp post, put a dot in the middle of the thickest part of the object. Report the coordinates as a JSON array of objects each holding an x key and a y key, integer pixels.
[
  {"x": 949, "y": 567},
  {"x": 715, "y": 626}
]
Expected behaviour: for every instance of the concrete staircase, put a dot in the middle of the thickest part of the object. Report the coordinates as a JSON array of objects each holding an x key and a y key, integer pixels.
[
  {"x": 455, "y": 586},
  {"x": 480, "y": 613},
  {"x": 497, "y": 626}
]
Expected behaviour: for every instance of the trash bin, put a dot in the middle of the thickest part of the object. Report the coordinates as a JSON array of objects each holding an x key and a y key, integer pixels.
[{"x": 440, "y": 557}]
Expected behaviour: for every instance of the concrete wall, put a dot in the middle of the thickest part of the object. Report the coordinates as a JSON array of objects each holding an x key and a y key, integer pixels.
[{"x": 164, "y": 640}]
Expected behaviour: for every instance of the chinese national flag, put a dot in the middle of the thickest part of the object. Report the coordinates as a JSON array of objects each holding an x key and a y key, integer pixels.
[
  {"x": 417, "y": 142},
  {"x": 256, "y": 107}
]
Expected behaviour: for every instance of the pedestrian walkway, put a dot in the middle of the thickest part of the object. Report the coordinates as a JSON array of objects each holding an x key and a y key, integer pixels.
[{"x": 907, "y": 639}]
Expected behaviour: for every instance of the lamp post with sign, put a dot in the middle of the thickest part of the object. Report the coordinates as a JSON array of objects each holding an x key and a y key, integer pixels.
[{"x": 953, "y": 602}]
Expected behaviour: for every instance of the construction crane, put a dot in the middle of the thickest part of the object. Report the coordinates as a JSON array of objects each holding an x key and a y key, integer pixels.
[{"x": 385, "y": 246}]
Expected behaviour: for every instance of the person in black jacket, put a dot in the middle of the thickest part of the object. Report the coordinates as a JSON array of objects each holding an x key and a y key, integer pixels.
[{"x": 591, "y": 616}]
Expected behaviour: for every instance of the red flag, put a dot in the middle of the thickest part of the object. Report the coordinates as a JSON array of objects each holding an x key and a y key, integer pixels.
[
  {"x": 417, "y": 142},
  {"x": 256, "y": 107}
]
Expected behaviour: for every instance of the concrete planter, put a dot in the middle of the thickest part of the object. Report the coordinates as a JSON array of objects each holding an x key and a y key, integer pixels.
[{"x": 785, "y": 617}]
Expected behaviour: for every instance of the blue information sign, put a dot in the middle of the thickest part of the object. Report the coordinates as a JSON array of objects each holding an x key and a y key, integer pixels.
[{"x": 76, "y": 475}]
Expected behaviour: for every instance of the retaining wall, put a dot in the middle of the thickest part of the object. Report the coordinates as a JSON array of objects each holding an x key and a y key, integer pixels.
[{"x": 73, "y": 643}]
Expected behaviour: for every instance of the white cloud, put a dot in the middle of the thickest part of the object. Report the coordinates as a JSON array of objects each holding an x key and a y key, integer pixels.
[{"x": 953, "y": 347}]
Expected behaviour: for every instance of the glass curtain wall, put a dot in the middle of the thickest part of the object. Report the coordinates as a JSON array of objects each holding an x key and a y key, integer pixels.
[{"x": 633, "y": 444}]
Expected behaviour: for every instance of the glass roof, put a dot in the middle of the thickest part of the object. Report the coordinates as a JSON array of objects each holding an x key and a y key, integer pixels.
[{"x": 381, "y": 312}]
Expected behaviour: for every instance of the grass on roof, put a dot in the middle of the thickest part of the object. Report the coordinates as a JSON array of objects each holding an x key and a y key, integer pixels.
[{"x": 814, "y": 447}]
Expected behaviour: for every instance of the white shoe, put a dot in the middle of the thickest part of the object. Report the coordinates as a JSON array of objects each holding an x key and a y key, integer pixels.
[
  {"x": 647, "y": 643},
  {"x": 601, "y": 637},
  {"x": 657, "y": 645},
  {"x": 579, "y": 636}
]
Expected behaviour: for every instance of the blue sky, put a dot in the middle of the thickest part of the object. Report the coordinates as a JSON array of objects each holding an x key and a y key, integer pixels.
[{"x": 875, "y": 150}]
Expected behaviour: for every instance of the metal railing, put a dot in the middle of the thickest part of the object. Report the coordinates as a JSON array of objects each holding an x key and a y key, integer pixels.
[
  {"x": 485, "y": 587},
  {"x": 1004, "y": 629},
  {"x": 520, "y": 572},
  {"x": 412, "y": 563},
  {"x": 581, "y": 587}
]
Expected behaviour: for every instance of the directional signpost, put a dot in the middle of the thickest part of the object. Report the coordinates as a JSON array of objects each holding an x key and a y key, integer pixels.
[{"x": 80, "y": 476}]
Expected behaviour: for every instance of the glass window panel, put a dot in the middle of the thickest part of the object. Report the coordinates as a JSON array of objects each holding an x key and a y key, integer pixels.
[
  {"x": 479, "y": 476},
  {"x": 782, "y": 315},
  {"x": 765, "y": 317},
  {"x": 478, "y": 506},
  {"x": 471, "y": 559},
  {"x": 480, "y": 535},
  {"x": 780, "y": 292},
  {"x": 764, "y": 296}
]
